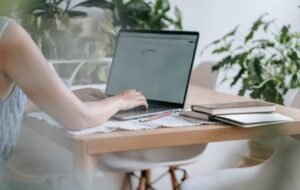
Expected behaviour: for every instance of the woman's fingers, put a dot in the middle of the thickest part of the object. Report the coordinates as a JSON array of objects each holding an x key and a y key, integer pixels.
[{"x": 132, "y": 98}]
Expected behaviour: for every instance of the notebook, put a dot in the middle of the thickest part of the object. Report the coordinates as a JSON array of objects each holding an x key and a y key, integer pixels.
[
  {"x": 253, "y": 120},
  {"x": 252, "y": 106},
  {"x": 156, "y": 63}
]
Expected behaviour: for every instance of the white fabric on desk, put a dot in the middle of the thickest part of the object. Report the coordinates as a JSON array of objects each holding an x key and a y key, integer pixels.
[{"x": 172, "y": 121}]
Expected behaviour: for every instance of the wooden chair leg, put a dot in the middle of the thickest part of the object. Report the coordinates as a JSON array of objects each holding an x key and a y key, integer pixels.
[
  {"x": 145, "y": 180},
  {"x": 127, "y": 185},
  {"x": 148, "y": 179},
  {"x": 142, "y": 181},
  {"x": 174, "y": 181}
]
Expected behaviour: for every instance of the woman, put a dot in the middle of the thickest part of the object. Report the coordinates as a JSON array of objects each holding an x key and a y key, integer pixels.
[{"x": 24, "y": 69}]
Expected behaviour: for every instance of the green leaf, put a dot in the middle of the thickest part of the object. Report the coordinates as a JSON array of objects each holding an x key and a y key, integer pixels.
[
  {"x": 249, "y": 36},
  {"x": 267, "y": 24},
  {"x": 257, "y": 68},
  {"x": 285, "y": 37},
  {"x": 73, "y": 14},
  {"x": 231, "y": 33},
  {"x": 96, "y": 3},
  {"x": 223, "y": 62},
  {"x": 293, "y": 55},
  {"x": 256, "y": 25},
  {"x": 178, "y": 16},
  {"x": 242, "y": 91},
  {"x": 237, "y": 77},
  {"x": 215, "y": 68},
  {"x": 264, "y": 43},
  {"x": 161, "y": 6},
  {"x": 294, "y": 82},
  {"x": 222, "y": 49}
]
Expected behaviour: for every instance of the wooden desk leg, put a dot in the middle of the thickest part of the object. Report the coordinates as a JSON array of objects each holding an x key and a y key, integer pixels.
[{"x": 84, "y": 168}]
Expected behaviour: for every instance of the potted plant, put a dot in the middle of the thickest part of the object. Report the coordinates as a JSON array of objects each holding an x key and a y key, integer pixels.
[
  {"x": 267, "y": 58},
  {"x": 51, "y": 24},
  {"x": 132, "y": 14}
]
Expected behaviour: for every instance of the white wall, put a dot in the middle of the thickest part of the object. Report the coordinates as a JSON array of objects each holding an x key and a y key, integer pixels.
[{"x": 214, "y": 18}]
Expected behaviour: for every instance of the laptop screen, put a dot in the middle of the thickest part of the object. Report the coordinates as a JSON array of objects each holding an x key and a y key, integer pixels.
[{"x": 156, "y": 63}]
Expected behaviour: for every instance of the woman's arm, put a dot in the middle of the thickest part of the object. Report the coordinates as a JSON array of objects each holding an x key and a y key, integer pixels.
[
  {"x": 84, "y": 94},
  {"x": 24, "y": 64}
]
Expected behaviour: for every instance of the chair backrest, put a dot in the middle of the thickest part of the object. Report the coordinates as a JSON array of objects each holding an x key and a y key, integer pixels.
[
  {"x": 296, "y": 100},
  {"x": 202, "y": 75}
]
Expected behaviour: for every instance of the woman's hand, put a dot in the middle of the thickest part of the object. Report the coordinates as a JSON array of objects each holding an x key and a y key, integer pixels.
[
  {"x": 132, "y": 98},
  {"x": 89, "y": 94}
]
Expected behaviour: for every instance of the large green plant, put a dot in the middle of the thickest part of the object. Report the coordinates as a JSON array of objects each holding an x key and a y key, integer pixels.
[
  {"x": 49, "y": 23},
  {"x": 267, "y": 59},
  {"x": 130, "y": 14}
]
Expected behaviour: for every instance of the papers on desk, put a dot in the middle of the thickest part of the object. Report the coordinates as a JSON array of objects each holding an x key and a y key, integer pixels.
[
  {"x": 172, "y": 121},
  {"x": 175, "y": 121}
]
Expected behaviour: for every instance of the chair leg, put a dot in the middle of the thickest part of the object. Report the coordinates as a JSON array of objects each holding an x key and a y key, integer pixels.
[
  {"x": 148, "y": 179},
  {"x": 145, "y": 180},
  {"x": 127, "y": 185},
  {"x": 175, "y": 182},
  {"x": 142, "y": 181}
]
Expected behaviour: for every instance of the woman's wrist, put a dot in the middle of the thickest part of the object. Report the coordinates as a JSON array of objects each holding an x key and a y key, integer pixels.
[{"x": 119, "y": 102}]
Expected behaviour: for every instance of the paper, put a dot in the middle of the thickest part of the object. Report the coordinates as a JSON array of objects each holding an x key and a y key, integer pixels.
[
  {"x": 177, "y": 121},
  {"x": 93, "y": 130},
  {"x": 132, "y": 125}
]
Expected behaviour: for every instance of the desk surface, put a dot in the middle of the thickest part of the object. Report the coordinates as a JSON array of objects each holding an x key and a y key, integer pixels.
[{"x": 164, "y": 137}]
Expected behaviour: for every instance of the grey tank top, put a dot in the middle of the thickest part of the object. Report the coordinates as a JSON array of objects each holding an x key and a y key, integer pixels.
[{"x": 11, "y": 112}]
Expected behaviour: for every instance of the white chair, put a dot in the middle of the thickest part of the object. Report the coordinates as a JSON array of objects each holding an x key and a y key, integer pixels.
[
  {"x": 145, "y": 160},
  {"x": 281, "y": 171},
  {"x": 296, "y": 100},
  {"x": 202, "y": 75}
]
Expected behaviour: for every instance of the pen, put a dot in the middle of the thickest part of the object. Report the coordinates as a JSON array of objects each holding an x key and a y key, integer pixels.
[{"x": 155, "y": 117}]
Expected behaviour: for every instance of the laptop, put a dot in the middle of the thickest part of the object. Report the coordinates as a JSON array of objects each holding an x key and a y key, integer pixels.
[{"x": 156, "y": 63}]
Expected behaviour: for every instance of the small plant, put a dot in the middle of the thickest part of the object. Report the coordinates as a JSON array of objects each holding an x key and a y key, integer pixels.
[{"x": 267, "y": 58}]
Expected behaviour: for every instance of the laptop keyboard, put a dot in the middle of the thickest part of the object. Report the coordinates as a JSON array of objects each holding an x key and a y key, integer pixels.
[{"x": 142, "y": 109}]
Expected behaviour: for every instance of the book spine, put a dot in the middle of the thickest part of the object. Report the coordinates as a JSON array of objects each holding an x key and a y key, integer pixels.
[{"x": 210, "y": 117}]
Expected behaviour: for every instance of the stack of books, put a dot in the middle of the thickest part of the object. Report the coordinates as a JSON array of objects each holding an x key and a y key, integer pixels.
[{"x": 244, "y": 114}]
